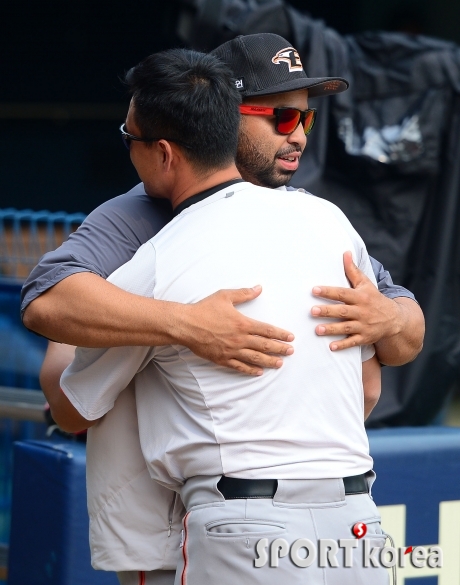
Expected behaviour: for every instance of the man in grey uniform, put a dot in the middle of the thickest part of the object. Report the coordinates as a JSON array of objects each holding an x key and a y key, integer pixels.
[
  {"x": 196, "y": 419},
  {"x": 96, "y": 313}
]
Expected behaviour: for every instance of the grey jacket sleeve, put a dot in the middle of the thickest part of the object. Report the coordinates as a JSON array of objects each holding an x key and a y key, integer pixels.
[
  {"x": 108, "y": 238},
  {"x": 385, "y": 283}
]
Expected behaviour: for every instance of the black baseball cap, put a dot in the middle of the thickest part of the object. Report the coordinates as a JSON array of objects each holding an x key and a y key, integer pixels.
[{"x": 265, "y": 63}]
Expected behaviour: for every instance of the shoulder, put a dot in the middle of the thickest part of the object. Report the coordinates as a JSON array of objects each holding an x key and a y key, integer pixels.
[
  {"x": 133, "y": 208},
  {"x": 126, "y": 221},
  {"x": 323, "y": 204},
  {"x": 309, "y": 200}
]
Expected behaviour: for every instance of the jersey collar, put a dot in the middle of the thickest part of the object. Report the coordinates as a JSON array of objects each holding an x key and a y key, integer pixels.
[{"x": 203, "y": 195}]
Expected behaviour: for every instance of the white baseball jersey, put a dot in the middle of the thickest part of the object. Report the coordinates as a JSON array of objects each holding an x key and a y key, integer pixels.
[
  {"x": 135, "y": 523},
  {"x": 304, "y": 420}
]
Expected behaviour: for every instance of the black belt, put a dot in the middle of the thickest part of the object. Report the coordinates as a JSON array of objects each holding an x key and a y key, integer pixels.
[{"x": 233, "y": 488}]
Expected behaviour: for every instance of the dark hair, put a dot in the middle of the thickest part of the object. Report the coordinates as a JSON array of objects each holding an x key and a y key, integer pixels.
[{"x": 190, "y": 97}]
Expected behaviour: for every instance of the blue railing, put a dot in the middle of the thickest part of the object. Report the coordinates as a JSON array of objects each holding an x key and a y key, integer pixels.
[{"x": 24, "y": 237}]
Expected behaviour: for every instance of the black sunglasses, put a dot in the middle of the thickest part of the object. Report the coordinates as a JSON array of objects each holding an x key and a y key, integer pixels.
[
  {"x": 127, "y": 137},
  {"x": 286, "y": 119}
]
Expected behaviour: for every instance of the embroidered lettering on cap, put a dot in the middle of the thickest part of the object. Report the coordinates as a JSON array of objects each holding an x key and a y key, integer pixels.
[
  {"x": 290, "y": 56},
  {"x": 331, "y": 86},
  {"x": 239, "y": 83}
]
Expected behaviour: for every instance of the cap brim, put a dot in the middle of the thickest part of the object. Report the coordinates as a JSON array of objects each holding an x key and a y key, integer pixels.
[{"x": 317, "y": 87}]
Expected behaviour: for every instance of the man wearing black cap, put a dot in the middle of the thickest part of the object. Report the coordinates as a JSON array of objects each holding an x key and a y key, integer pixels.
[
  {"x": 269, "y": 77},
  {"x": 394, "y": 321},
  {"x": 283, "y": 160},
  {"x": 274, "y": 86}
]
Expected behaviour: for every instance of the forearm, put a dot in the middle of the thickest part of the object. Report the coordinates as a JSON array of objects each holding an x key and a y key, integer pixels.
[
  {"x": 372, "y": 384},
  {"x": 86, "y": 310},
  {"x": 57, "y": 358},
  {"x": 404, "y": 340}
]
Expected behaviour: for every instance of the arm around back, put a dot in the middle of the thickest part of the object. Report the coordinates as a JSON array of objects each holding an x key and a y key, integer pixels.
[
  {"x": 57, "y": 358},
  {"x": 67, "y": 299},
  {"x": 88, "y": 311}
]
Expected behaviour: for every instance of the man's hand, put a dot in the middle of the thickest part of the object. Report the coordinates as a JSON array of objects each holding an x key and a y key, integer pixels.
[
  {"x": 216, "y": 331},
  {"x": 395, "y": 326},
  {"x": 366, "y": 314}
]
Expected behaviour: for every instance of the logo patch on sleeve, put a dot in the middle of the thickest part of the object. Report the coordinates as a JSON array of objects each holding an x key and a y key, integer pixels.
[{"x": 290, "y": 56}]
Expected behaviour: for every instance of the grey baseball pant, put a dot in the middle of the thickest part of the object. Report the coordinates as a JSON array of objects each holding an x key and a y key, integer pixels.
[{"x": 270, "y": 541}]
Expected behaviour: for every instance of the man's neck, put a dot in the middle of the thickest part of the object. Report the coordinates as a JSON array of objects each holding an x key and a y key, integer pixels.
[{"x": 192, "y": 185}]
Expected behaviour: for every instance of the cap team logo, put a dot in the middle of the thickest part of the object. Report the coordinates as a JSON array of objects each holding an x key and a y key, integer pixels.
[{"x": 290, "y": 56}]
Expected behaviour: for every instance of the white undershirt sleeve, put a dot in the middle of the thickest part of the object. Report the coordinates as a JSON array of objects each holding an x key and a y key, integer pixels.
[{"x": 367, "y": 352}]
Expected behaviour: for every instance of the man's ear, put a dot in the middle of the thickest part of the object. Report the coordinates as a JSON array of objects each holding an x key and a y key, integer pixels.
[{"x": 167, "y": 155}]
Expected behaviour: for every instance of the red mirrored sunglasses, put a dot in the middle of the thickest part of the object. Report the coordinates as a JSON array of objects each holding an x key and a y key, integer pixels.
[{"x": 286, "y": 119}]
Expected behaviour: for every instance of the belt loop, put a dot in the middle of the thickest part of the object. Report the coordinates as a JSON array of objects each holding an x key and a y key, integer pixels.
[
  {"x": 371, "y": 476},
  {"x": 201, "y": 490}
]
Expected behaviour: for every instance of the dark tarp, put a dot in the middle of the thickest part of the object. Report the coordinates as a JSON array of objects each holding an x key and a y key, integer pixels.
[{"x": 387, "y": 152}]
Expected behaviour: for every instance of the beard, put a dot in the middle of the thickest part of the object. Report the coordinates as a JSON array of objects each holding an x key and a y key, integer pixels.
[{"x": 255, "y": 166}]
